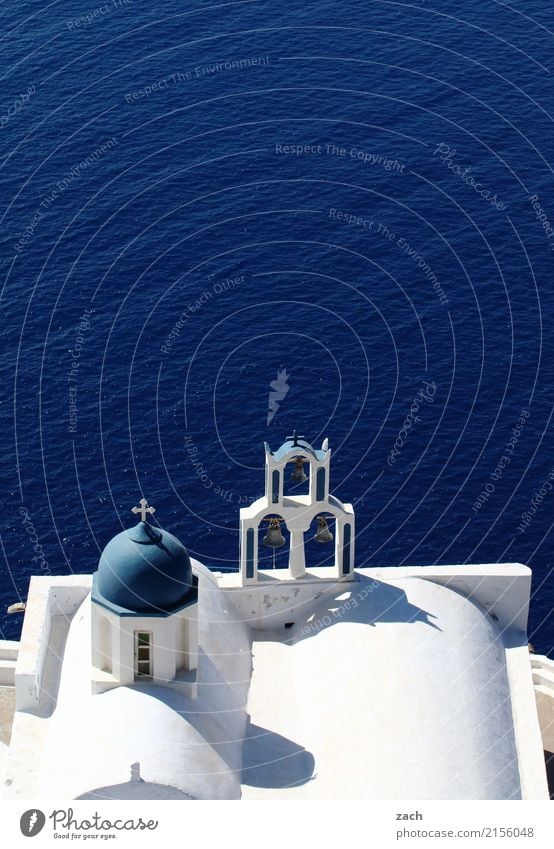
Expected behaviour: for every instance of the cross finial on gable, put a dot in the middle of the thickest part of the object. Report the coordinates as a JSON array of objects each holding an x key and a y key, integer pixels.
[
  {"x": 295, "y": 437},
  {"x": 144, "y": 509}
]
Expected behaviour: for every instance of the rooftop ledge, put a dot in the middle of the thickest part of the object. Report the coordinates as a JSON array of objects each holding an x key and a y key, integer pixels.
[
  {"x": 231, "y": 579},
  {"x": 501, "y": 589}
]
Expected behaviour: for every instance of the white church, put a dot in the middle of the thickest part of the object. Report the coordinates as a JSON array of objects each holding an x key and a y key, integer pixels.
[{"x": 158, "y": 678}]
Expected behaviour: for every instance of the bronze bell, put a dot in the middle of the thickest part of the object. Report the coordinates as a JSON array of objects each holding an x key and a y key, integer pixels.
[
  {"x": 298, "y": 475},
  {"x": 323, "y": 534},
  {"x": 274, "y": 538}
]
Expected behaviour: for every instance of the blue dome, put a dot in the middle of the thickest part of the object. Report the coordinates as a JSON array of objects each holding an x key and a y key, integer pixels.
[{"x": 144, "y": 570}]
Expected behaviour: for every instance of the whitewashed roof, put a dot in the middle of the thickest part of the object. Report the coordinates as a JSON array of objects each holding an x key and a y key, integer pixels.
[{"x": 403, "y": 696}]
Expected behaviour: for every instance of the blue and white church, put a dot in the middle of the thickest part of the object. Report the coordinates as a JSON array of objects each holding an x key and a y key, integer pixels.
[{"x": 157, "y": 677}]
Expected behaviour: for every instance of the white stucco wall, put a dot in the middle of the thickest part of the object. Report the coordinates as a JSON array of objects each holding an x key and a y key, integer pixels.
[
  {"x": 224, "y": 670},
  {"x": 275, "y": 600},
  {"x": 165, "y": 645}
]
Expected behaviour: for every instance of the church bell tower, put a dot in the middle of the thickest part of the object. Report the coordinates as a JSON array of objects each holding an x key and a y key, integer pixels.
[{"x": 279, "y": 513}]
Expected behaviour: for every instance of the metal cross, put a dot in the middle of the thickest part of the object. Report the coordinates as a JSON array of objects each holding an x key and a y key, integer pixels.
[
  {"x": 144, "y": 509},
  {"x": 295, "y": 438}
]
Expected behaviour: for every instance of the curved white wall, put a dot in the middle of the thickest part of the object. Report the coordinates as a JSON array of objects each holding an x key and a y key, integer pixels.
[{"x": 403, "y": 696}]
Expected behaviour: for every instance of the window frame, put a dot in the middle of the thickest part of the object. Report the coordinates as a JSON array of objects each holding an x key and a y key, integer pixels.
[{"x": 143, "y": 648}]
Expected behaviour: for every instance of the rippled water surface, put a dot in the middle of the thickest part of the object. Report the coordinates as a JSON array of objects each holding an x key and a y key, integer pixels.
[{"x": 350, "y": 201}]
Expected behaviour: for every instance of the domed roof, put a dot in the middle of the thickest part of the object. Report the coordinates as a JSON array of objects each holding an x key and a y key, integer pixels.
[{"x": 144, "y": 570}]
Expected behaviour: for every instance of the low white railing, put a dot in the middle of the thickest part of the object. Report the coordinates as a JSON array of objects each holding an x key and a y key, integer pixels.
[
  {"x": 543, "y": 672},
  {"x": 9, "y": 650},
  {"x": 542, "y": 669}
]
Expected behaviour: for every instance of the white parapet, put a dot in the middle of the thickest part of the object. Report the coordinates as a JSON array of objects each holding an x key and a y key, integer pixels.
[
  {"x": 502, "y": 589},
  {"x": 9, "y": 650},
  {"x": 542, "y": 669},
  {"x": 48, "y": 597}
]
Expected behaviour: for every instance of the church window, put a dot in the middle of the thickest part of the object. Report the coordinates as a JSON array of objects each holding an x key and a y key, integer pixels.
[{"x": 143, "y": 654}]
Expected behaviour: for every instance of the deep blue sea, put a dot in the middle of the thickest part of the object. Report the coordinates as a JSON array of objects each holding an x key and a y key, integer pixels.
[{"x": 350, "y": 201}]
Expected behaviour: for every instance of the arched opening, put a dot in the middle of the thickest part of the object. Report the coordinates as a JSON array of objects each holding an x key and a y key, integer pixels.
[
  {"x": 296, "y": 476},
  {"x": 320, "y": 541},
  {"x": 271, "y": 531}
]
